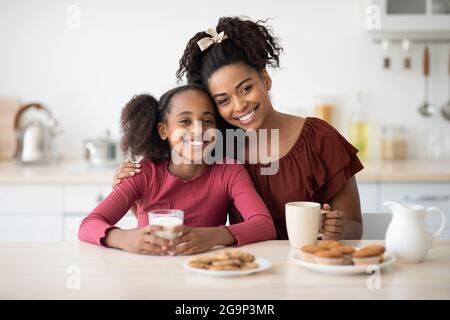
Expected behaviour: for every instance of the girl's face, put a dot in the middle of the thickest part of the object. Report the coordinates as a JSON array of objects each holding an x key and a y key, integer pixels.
[
  {"x": 241, "y": 95},
  {"x": 191, "y": 115}
]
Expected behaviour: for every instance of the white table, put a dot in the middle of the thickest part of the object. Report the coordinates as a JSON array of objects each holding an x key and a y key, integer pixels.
[{"x": 50, "y": 271}]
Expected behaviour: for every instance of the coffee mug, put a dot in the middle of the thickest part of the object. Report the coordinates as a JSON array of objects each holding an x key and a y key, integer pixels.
[{"x": 302, "y": 223}]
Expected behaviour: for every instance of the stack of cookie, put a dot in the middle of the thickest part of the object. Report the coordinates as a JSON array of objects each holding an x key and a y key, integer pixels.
[
  {"x": 225, "y": 260},
  {"x": 329, "y": 252}
]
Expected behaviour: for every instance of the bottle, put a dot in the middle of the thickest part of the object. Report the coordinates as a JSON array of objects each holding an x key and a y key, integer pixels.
[
  {"x": 358, "y": 128},
  {"x": 393, "y": 143},
  {"x": 323, "y": 108}
]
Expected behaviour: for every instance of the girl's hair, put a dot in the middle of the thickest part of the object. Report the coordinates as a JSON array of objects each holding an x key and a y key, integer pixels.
[
  {"x": 139, "y": 124},
  {"x": 248, "y": 42}
]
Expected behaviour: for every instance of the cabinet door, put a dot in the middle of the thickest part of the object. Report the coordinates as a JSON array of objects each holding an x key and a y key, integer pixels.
[
  {"x": 368, "y": 195},
  {"x": 26, "y": 227},
  {"x": 30, "y": 199},
  {"x": 30, "y": 212},
  {"x": 81, "y": 199},
  {"x": 425, "y": 194}
]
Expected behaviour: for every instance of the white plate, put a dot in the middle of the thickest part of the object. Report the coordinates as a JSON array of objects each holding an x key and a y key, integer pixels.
[
  {"x": 343, "y": 269},
  {"x": 263, "y": 265}
]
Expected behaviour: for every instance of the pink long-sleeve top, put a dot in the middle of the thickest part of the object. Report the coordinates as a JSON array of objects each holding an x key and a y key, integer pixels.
[{"x": 205, "y": 201}]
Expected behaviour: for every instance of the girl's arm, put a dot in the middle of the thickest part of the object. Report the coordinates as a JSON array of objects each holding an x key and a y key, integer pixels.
[{"x": 258, "y": 224}]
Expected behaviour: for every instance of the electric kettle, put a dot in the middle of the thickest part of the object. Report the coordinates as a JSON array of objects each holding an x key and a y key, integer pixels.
[{"x": 35, "y": 139}]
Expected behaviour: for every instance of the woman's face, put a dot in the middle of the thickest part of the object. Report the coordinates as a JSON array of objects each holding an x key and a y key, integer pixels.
[
  {"x": 241, "y": 95},
  {"x": 191, "y": 115}
]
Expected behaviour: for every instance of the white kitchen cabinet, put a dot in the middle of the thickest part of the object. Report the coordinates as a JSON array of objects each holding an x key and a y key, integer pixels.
[
  {"x": 49, "y": 212},
  {"x": 368, "y": 195},
  {"x": 30, "y": 213},
  {"x": 426, "y": 19},
  {"x": 30, "y": 227},
  {"x": 31, "y": 199},
  {"x": 81, "y": 199}
]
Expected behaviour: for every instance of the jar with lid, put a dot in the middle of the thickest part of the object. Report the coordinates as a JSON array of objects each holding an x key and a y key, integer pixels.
[{"x": 393, "y": 143}]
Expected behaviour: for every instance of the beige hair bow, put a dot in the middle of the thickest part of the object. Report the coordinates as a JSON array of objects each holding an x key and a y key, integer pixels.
[{"x": 206, "y": 42}]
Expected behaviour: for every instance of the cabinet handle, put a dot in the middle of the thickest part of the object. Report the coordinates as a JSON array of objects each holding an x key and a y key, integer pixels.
[
  {"x": 99, "y": 198},
  {"x": 426, "y": 198}
]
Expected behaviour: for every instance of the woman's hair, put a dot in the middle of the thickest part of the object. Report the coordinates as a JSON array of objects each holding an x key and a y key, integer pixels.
[
  {"x": 139, "y": 124},
  {"x": 248, "y": 42}
]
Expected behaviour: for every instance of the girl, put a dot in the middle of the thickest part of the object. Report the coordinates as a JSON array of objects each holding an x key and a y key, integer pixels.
[
  {"x": 315, "y": 162},
  {"x": 203, "y": 192}
]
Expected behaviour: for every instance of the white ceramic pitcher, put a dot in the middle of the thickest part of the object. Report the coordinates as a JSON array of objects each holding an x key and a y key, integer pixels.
[{"x": 407, "y": 236}]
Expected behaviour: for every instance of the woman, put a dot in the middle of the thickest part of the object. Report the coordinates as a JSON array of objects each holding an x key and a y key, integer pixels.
[{"x": 315, "y": 162}]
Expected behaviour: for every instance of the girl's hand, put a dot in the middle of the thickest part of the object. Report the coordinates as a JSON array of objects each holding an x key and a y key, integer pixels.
[
  {"x": 193, "y": 240},
  {"x": 139, "y": 240},
  {"x": 126, "y": 169},
  {"x": 332, "y": 224}
]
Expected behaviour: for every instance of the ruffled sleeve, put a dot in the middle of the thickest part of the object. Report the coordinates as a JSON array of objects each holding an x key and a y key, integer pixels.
[{"x": 329, "y": 160}]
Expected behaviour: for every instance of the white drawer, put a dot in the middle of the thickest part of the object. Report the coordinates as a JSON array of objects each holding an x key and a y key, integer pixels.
[
  {"x": 368, "y": 195},
  {"x": 31, "y": 199},
  {"x": 83, "y": 198},
  {"x": 22, "y": 227}
]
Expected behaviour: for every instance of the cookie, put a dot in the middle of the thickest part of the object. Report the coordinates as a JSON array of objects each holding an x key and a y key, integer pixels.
[
  {"x": 230, "y": 262},
  {"x": 224, "y": 267},
  {"x": 249, "y": 265},
  {"x": 198, "y": 265}
]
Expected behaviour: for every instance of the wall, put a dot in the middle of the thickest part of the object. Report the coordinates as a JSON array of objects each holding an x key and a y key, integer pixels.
[{"x": 122, "y": 48}]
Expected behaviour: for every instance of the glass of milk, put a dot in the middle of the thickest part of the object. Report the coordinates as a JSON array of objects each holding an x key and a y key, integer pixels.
[{"x": 166, "y": 218}]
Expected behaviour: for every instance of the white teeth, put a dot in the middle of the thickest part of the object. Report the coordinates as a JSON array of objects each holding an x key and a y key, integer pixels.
[
  {"x": 195, "y": 143},
  {"x": 247, "y": 116}
]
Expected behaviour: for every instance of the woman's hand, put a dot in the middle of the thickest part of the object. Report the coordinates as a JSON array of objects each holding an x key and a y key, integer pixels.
[
  {"x": 126, "y": 169},
  {"x": 140, "y": 240},
  {"x": 332, "y": 224},
  {"x": 197, "y": 240}
]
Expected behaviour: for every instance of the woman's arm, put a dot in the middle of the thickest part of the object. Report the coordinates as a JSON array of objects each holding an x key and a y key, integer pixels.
[{"x": 345, "y": 220}]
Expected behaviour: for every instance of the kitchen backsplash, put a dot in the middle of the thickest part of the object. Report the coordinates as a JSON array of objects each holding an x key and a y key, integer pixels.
[{"x": 87, "y": 72}]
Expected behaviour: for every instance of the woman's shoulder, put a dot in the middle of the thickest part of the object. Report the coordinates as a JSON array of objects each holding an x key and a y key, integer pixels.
[{"x": 319, "y": 134}]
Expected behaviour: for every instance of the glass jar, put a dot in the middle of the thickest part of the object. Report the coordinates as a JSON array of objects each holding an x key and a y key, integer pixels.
[{"x": 393, "y": 143}]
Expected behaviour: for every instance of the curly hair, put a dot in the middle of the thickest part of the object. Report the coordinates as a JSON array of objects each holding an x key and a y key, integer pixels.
[
  {"x": 139, "y": 124},
  {"x": 248, "y": 42}
]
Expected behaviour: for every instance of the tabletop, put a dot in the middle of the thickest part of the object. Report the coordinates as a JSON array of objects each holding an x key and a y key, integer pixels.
[{"x": 73, "y": 270}]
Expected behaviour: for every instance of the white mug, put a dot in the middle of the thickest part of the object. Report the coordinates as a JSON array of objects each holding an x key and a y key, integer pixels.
[{"x": 302, "y": 223}]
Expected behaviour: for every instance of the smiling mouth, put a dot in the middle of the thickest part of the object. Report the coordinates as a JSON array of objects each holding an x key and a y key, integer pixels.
[
  {"x": 248, "y": 117},
  {"x": 196, "y": 143}
]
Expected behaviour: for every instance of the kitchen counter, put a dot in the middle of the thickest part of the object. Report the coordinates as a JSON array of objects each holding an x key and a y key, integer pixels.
[
  {"x": 48, "y": 270},
  {"x": 64, "y": 172},
  {"x": 405, "y": 171},
  {"x": 77, "y": 172}
]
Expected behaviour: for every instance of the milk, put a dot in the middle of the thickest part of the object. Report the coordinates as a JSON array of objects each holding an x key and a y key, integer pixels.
[{"x": 166, "y": 222}]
